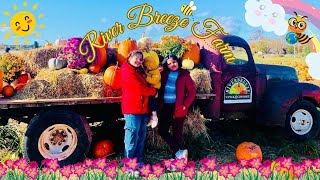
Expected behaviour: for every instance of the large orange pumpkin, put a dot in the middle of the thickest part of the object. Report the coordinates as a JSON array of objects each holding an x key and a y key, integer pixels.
[
  {"x": 99, "y": 41},
  {"x": 103, "y": 148},
  {"x": 101, "y": 57},
  {"x": 112, "y": 77},
  {"x": 248, "y": 151},
  {"x": 8, "y": 91},
  {"x": 125, "y": 47},
  {"x": 193, "y": 54}
]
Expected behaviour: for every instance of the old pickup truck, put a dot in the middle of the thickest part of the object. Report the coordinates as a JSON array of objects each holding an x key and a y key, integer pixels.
[{"x": 272, "y": 95}]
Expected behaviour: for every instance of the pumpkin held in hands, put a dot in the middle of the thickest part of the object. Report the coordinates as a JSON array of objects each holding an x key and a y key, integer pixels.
[
  {"x": 112, "y": 77},
  {"x": 103, "y": 148},
  {"x": 248, "y": 151}
]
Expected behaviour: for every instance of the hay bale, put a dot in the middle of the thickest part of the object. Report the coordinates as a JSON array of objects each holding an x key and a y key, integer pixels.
[
  {"x": 154, "y": 140},
  {"x": 195, "y": 124},
  {"x": 36, "y": 89},
  {"x": 36, "y": 59},
  {"x": 202, "y": 80},
  {"x": 64, "y": 83},
  {"x": 93, "y": 84},
  {"x": 194, "y": 127}
]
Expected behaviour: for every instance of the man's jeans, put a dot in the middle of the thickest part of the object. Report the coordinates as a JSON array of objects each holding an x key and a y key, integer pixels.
[{"x": 135, "y": 135}]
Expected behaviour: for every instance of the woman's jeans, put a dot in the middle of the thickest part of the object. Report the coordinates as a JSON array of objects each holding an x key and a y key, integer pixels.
[{"x": 135, "y": 135}]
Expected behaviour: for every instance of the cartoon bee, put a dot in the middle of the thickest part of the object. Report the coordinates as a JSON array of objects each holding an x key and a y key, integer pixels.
[
  {"x": 298, "y": 25},
  {"x": 187, "y": 9}
]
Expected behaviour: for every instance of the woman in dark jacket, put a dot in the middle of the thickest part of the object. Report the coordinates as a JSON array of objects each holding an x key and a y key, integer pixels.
[{"x": 176, "y": 96}]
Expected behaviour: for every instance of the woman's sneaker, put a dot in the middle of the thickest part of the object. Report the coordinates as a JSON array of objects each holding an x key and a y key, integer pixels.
[{"x": 182, "y": 154}]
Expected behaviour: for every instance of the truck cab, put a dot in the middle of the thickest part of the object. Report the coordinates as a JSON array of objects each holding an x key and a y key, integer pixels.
[{"x": 268, "y": 94}]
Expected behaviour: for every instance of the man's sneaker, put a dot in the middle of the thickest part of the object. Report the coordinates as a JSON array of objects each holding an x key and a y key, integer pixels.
[{"x": 182, "y": 154}]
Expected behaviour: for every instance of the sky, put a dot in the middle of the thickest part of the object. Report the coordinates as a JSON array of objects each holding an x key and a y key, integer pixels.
[{"x": 74, "y": 18}]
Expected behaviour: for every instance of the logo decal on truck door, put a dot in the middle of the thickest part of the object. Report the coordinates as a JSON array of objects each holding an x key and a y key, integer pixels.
[{"x": 238, "y": 90}]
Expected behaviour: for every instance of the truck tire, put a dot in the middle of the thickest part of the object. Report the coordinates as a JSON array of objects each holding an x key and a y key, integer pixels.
[
  {"x": 302, "y": 121},
  {"x": 60, "y": 134}
]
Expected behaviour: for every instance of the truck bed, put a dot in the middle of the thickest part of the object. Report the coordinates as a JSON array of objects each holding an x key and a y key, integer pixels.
[{"x": 8, "y": 103}]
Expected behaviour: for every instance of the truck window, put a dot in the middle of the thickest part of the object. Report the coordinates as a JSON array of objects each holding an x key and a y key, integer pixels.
[{"x": 240, "y": 54}]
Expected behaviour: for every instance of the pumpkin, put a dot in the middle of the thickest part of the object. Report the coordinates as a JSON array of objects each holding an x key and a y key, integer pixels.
[
  {"x": 144, "y": 43},
  {"x": 17, "y": 85},
  {"x": 115, "y": 44},
  {"x": 193, "y": 53},
  {"x": 248, "y": 151},
  {"x": 60, "y": 42},
  {"x": 48, "y": 44},
  {"x": 99, "y": 41},
  {"x": 187, "y": 64},
  {"x": 1, "y": 82},
  {"x": 56, "y": 63},
  {"x": 23, "y": 78},
  {"x": 93, "y": 68},
  {"x": 103, "y": 148},
  {"x": 125, "y": 47},
  {"x": 8, "y": 91},
  {"x": 112, "y": 77},
  {"x": 101, "y": 57}
]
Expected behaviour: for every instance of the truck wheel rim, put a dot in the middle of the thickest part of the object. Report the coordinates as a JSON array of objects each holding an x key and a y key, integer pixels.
[
  {"x": 301, "y": 122},
  {"x": 57, "y": 141}
]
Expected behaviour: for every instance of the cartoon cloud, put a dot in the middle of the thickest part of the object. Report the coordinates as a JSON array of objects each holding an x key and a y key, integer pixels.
[
  {"x": 313, "y": 61},
  {"x": 271, "y": 17}
]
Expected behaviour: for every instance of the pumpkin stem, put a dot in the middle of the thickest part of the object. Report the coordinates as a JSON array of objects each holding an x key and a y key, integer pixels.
[{"x": 252, "y": 147}]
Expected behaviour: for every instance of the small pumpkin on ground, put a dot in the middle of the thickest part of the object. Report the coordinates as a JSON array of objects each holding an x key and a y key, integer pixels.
[
  {"x": 103, "y": 148},
  {"x": 248, "y": 151}
]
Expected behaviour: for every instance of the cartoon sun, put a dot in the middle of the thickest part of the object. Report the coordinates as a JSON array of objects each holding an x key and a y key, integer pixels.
[{"x": 22, "y": 23}]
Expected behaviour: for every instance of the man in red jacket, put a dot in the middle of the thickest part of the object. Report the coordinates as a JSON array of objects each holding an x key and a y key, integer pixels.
[
  {"x": 176, "y": 95},
  {"x": 135, "y": 96}
]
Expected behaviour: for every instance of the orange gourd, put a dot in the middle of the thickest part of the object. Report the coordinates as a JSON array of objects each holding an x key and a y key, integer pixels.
[
  {"x": 101, "y": 57},
  {"x": 103, "y": 148},
  {"x": 112, "y": 77},
  {"x": 115, "y": 44},
  {"x": 8, "y": 91},
  {"x": 193, "y": 53},
  {"x": 248, "y": 151},
  {"x": 125, "y": 47},
  {"x": 1, "y": 82},
  {"x": 99, "y": 41}
]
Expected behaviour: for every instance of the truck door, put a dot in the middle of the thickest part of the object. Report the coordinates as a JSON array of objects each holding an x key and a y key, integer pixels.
[{"x": 238, "y": 81}]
